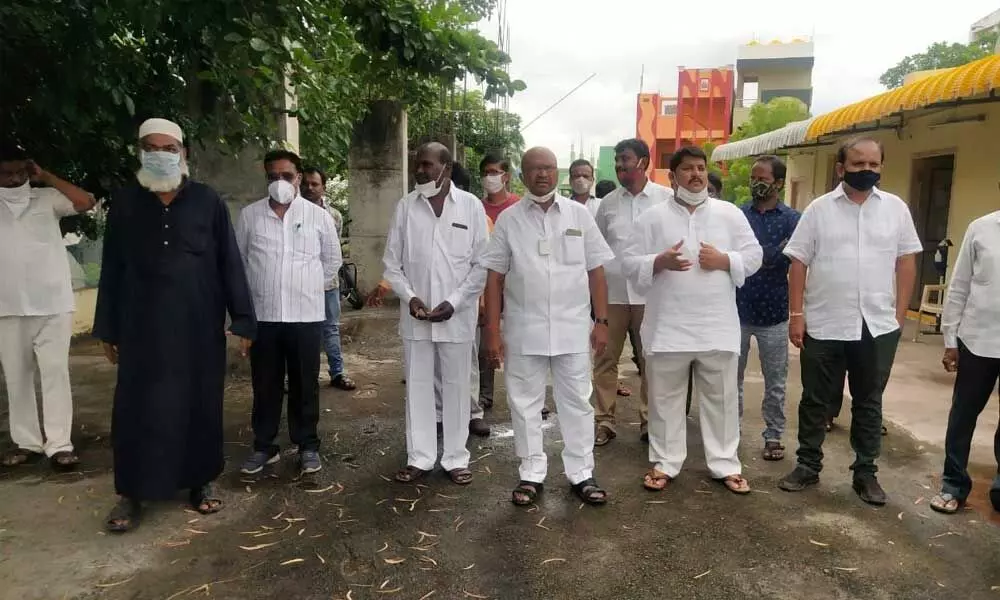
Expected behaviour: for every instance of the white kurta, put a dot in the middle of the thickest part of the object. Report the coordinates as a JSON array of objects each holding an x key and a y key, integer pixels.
[
  {"x": 545, "y": 257},
  {"x": 972, "y": 306},
  {"x": 691, "y": 319},
  {"x": 435, "y": 258}
]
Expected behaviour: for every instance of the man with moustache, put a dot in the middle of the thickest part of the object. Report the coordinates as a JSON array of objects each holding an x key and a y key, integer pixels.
[
  {"x": 615, "y": 219},
  {"x": 291, "y": 251},
  {"x": 170, "y": 274},
  {"x": 581, "y": 181},
  {"x": 689, "y": 255},
  {"x": 545, "y": 263}
]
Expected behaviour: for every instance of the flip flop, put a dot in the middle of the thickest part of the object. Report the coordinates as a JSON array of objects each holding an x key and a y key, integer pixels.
[
  {"x": 20, "y": 456},
  {"x": 460, "y": 476},
  {"x": 204, "y": 501},
  {"x": 409, "y": 474},
  {"x": 736, "y": 484},
  {"x": 946, "y": 504},
  {"x": 529, "y": 490},
  {"x": 653, "y": 478}
]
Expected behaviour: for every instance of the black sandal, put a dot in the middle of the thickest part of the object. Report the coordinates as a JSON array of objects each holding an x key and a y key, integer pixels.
[
  {"x": 460, "y": 476},
  {"x": 204, "y": 501},
  {"x": 124, "y": 516},
  {"x": 20, "y": 456},
  {"x": 529, "y": 490},
  {"x": 66, "y": 460},
  {"x": 343, "y": 382},
  {"x": 590, "y": 492},
  {"x": 409, "y": 474}
]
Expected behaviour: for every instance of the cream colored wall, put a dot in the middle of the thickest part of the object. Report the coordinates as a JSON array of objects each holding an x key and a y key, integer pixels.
[
  {"x": 796, "y": 79},
  {"x": 975, "y": 144},
  {"x": 86, "y": 304}
]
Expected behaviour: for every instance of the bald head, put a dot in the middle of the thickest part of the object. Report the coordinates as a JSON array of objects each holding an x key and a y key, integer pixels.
[
  {"x": 433, "y": 163},
  {"x": 540, "y": 171}
]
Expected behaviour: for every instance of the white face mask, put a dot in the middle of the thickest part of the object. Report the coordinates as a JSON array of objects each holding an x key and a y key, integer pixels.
[
  {"x": 493, "y": 183},
  {"x": 281, "y": 191},
  {"x": 691, "y": 198},
  {"x": 431, "y": 188},
  {"x": 581, "y": 185},
  {"x": 16, "y": 195},
  {"x": 540, "y": 199}
]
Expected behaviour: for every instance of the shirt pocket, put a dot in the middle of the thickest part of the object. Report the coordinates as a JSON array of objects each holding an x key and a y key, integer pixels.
[
  {"x": 984, "y": 266},
  {"x": 573, "y": 249},
  {"x": 459, "y": 241},
  {"x": 305, "y": 243},
  {"x": 193, "y": 239}
]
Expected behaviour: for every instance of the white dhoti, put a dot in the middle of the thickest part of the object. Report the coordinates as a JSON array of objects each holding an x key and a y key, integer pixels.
[
  {"x": 717, "y": 398},
  {"x": 425, "y": 361},
  {"x": 526, "y": 377},
  {"x": 43, "y": 341}
]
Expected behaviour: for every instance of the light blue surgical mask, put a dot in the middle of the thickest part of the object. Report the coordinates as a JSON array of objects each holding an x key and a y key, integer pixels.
[{"x": 165, "y": 165}]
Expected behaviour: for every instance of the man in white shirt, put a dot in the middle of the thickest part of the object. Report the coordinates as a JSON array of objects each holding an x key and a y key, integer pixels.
[
  {"x": 314, "y": 190},
  {"x": 849, "y": 285},
  {"x": 971, "y": 327},
  {"x": 291, "y": 250},
  {"x": 688, "y": 255},
  {"x": 545, "y": 263},
  {"x": 581, "y": 181},
  {"x": 616, "y": 218},
  {"x": 36, "y": 306},
  {"x": 436, "y": 237}
]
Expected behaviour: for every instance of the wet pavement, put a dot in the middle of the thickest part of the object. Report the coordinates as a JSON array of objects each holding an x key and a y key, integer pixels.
[{"x": 350, "y": 533}]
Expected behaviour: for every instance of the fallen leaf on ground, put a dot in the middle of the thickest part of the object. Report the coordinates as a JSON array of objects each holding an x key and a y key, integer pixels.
[
  {"x": 176, "y": 544},
  {"x": 539, "y": 524},
  {"x": 429, "y": 559},
  {"x": 384, "y": 583},
  {"x": 947, "y": 533},
  {"x": 900, "y": 516},
  {"x": 394, "y": 561},
  {"x": 656, "y": 501},
  {"x": 549, "y": 560},
  {"x": 471, "y": 595},
  {"x": 703, "y": 574},
  {"x": 386, "y": 478},
  {"x": 846, "y": 569},
  {"x": 295, "y": 520},
  {"x": 301, "y": 531},
  {"x": 392, "y": 591},
  {"x": 446, "y": 497},
  {"x": 321, "y": 559},
  {"x": 113, "y": 584},
  {"x": 939, "y": 584},
  {"x": 918, "y": 500},
  {"x": 292, "y": 561},
  {"x": 278, "y": 516},
  {"x": 468, "y": 567},
  {"x": 815, "y": 543},
  {"x": 198, "y": 531},
  {"x": 257, "y": 547},
  {"x": 428, "y": 595},
  {"x": 385, "y": 546},
  {"x": 321, "y": 490}
]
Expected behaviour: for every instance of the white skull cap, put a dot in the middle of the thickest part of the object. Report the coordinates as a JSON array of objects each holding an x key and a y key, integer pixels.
[{"x": 161, "y": 126}]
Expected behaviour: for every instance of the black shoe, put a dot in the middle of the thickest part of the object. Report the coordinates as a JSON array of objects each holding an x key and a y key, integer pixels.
[
  {"x": 995, "y": 498},
  {"x": 644, "y": 434},
  {"x": 867, "y": 488},
  {"x": 479, "y": 427},
  {"x": 799, "y": 479}
]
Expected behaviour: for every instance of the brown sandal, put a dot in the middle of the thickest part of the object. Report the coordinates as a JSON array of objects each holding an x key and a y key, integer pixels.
[
  {"x": 736, "y": 484},
  {"x": 64, "y": 461},
  {"x": 409, "y": 474},
  {"x": 20, "y": 456},
  {"x": 946, "y": 503},
  {"x": 460, "y": 476},
  {"x": 623, "y": 390},
  {"x": 774, "y": 451},
  {"x": 603, "y": 435},
  {"x": 656, "y": 481}
]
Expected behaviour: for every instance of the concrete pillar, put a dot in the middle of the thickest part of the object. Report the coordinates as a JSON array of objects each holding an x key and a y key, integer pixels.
[{"x": 377, "y": 179}]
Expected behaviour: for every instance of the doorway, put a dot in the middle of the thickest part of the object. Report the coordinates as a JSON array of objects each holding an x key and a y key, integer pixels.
[{"x": 931, "y": 203}]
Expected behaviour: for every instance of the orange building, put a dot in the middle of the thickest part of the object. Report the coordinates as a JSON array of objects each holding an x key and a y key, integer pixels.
[{"x": 700, "y": 113}]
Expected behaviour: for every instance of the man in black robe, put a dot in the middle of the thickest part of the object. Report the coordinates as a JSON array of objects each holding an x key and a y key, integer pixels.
[{"x": 171, "y": 271}]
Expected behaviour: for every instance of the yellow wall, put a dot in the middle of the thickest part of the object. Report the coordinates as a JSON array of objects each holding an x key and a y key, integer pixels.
[
  {"x": 975, "y": 145},
  {"x": 86, "y": 303}
]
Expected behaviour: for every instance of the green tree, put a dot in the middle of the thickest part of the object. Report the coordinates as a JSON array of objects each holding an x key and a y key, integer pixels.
[
  {"x": 940, "y": 55},
  {"x": 764, "y": 117},
  {"x": 80, "y": 76}
]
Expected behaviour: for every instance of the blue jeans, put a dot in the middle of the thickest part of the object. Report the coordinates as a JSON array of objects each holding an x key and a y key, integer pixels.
[
  {"x": 331, "y": 333},
  {"x": 772, "y": 347}
]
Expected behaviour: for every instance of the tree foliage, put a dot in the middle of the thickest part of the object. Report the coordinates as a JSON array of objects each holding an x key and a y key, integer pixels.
[
  {"x": 940, "y": 55},
  {"x": 764, "y": 117},
  {"x": 80, "y": 75}
]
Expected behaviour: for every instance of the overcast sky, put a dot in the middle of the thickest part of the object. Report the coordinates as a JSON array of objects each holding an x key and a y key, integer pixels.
[{"x": 556, "y": 44}]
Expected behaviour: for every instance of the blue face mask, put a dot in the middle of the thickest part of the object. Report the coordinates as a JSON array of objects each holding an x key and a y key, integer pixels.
[{"x": 165, "y": 165}]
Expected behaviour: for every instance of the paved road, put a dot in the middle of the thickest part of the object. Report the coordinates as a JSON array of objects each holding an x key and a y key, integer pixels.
[{"x": 350, "y": 534}]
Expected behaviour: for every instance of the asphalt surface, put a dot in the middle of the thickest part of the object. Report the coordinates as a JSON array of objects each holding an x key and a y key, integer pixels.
[{"x": 349, "y": 533}]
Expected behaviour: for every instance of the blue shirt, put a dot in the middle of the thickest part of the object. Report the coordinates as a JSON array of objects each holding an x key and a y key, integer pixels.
[{"x": 763, "y": 299}]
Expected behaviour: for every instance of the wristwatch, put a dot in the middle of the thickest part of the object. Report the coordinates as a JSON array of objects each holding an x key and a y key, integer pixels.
[{"x": 600, "y": 321}]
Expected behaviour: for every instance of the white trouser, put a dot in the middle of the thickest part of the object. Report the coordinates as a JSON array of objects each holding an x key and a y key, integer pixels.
[
  {"x": 571, "y": 389},
  {"x": 717, "y": 398},
  {"x": 43, "y": 341},
  {"x": 475, "y": 409},
  {"x": 425, "y": 361}
]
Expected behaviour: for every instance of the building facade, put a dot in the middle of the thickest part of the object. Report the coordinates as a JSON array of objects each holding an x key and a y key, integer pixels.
[{"x": 772, "y": 70}]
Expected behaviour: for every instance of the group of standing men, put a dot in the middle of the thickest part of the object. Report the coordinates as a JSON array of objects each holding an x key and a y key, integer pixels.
[{"x": 687, "y": 277}]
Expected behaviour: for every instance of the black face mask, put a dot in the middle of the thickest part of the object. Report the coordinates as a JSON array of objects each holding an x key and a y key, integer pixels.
[{"x": 862, "y": 180}]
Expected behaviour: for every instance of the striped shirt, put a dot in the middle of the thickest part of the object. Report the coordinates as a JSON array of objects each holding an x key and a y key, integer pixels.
[{"x": 288, "y": 261}]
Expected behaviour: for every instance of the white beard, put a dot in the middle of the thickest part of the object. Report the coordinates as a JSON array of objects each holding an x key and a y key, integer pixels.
[{"x": 161, "y": 185}]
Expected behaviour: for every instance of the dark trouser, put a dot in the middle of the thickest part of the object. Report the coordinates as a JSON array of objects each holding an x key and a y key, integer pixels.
[
  {"x": 486, "y": 375},
  {"x": 295, "y": 347},
  {"x": 974, "y": 384},
  {"x": 867, "y": 363}
]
